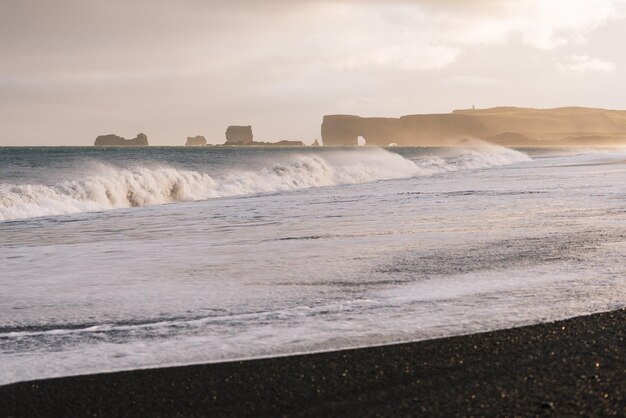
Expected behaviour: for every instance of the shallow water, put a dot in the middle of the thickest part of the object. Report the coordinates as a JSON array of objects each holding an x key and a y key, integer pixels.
[{"x": 124, "y": 258}]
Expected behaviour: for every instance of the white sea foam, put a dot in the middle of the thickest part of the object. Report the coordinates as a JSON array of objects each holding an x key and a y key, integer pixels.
[
  {"x": 116, "y": 187},
  {"x": 464, "y": 250}
]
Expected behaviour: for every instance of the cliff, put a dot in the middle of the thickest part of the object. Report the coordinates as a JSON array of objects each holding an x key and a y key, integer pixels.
[
  {"x": 242, "y": 135},
  {"x": 117, "y": 141},
  {"x": 239, "y": 135},
  {"x": 508, "y": 126},
  {"x": 196, "y": 141}
]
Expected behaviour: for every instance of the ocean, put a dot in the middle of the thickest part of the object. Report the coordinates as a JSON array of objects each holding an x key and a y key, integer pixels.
[{"x": 126, "y": 258}]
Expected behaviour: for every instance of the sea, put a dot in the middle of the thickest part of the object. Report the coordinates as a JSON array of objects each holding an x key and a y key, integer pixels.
[{"x": 128, "y": 258}]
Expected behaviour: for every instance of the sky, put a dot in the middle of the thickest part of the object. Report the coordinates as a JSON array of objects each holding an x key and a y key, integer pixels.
[{"x": 71, "y": 70}]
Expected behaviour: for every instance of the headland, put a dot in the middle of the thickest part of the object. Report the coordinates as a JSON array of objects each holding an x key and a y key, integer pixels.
[{"x": 506, "y": 126}]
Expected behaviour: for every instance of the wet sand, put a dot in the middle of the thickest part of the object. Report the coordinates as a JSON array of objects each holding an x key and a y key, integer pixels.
[{"x": 573, "y": 367}]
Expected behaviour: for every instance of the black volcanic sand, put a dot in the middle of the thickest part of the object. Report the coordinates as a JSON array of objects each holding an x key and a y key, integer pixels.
[{"x": 573, "y": 367}]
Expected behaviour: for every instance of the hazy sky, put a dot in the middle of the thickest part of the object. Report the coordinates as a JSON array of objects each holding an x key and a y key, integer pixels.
[{"x": 71, "y": 70}]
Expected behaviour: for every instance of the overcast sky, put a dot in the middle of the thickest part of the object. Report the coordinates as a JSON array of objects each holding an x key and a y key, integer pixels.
[{"x": 72, "y": 70}]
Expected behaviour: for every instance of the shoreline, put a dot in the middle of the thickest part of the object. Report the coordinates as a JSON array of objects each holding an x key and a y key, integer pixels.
[{"x": 571, "y": 367}]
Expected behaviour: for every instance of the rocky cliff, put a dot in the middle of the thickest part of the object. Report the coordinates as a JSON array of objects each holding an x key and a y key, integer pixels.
[
  {"x": 242, "y": 135},
  {"x": 239, "y": 135},
  {"x": 509, "y": 126},
  {"x": 117, "y": 141},
  {"x": 196, "y": 141}
]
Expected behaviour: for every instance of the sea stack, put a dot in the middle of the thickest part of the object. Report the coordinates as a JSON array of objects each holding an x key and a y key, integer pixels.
[
  {"x": 111, "y": 140},
  {"x": 239, "y": 135},
  {"x": 196, "y": 141}
]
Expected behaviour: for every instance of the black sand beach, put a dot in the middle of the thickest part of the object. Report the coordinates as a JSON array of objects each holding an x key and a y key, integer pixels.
[{"x": 573, "y": 367}]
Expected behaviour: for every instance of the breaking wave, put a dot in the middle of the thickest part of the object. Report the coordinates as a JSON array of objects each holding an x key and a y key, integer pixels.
[{"x": 116, "y": 187}]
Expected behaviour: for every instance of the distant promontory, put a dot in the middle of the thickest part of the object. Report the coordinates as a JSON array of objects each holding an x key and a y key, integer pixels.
[
  {"x": 117, "y": 141},
  {"x": 507, "y": 126}
]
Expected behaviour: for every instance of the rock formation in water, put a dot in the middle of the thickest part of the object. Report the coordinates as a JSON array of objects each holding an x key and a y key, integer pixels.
[
  {"x": 196, "y": 141},
  {"x": 239, "y": 135},
  {"x": 315, "y": 143},
  {"x": 117, "y": 141},
  {"x": 508, "y": 126},
  {"x": 283, "y": 143},
  {"x": 242, "y": 135}
]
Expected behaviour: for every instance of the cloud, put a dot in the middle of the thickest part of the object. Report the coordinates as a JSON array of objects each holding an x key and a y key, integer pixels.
[
  {"x": 144, "y": 35},
  {"x": 471, "y": 81},
  {"x": 542, "y": 24},
  {"x": 402, "y": 56},
  {"x": 581, "y": 64},
  {"x": 122, "y": 65},
  {"x": 432, "y": 35}
]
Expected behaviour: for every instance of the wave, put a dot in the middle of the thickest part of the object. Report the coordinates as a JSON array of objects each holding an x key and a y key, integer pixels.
[
  {"x": 471, "y": 154},
  {"x": 118, "y": 187}
]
